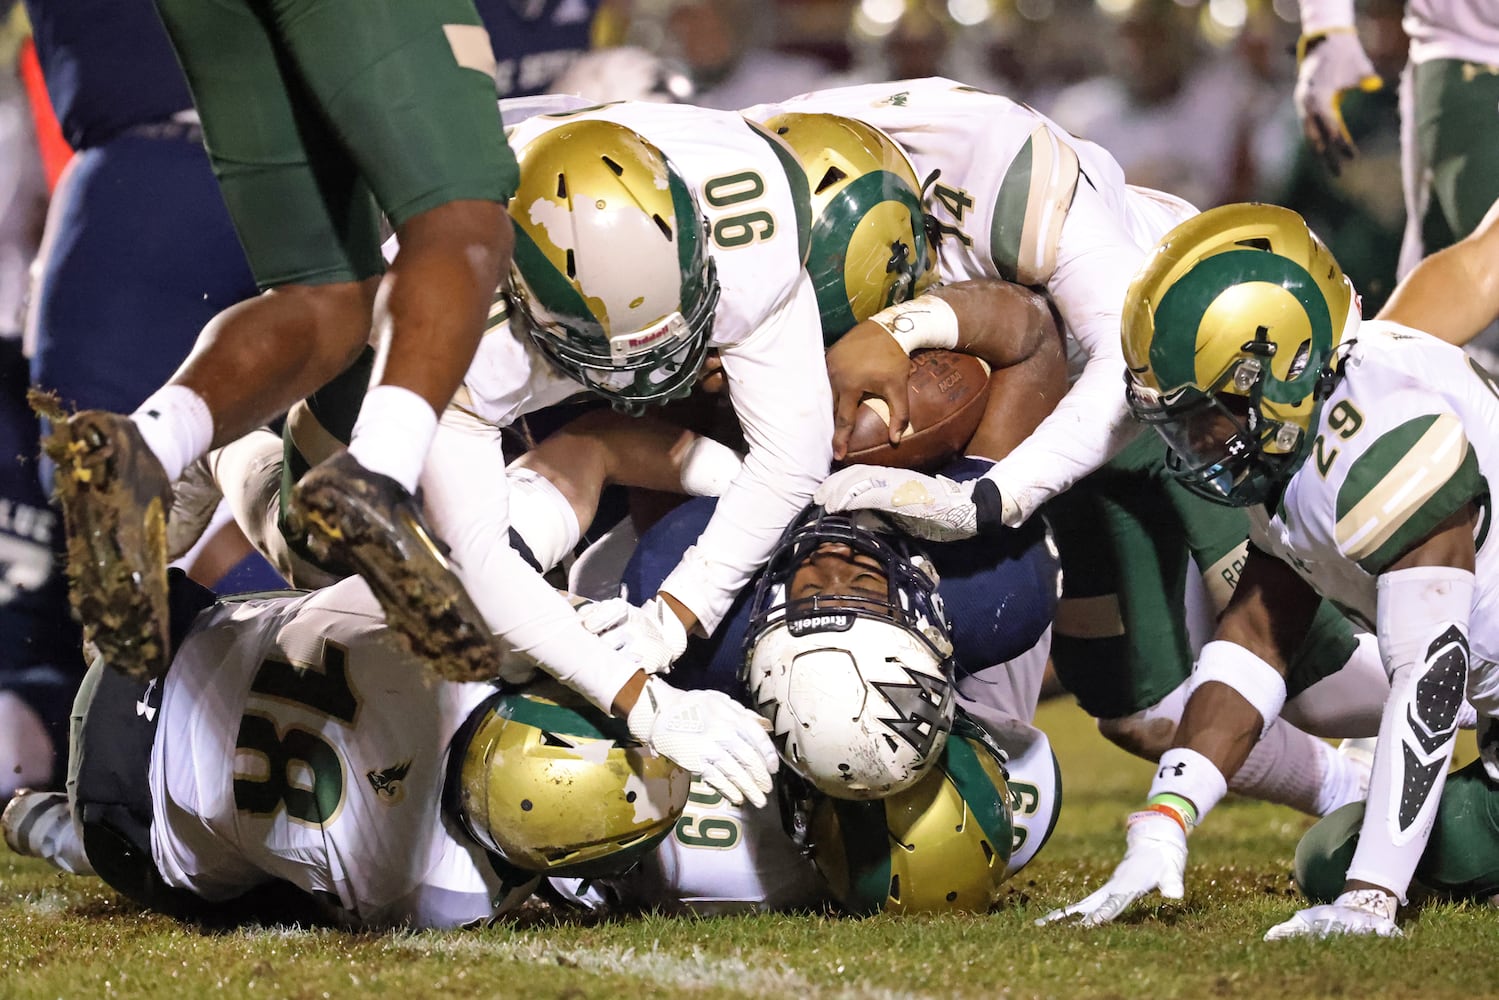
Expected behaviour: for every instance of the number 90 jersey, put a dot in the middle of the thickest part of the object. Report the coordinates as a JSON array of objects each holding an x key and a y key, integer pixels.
[
  {"x": 295, "y": 744},
  {"x": 749, "y": 187},
  {"x": 1406, "y": 439}
]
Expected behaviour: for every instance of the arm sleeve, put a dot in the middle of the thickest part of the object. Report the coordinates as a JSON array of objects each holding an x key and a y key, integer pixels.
[
  {"x": 1423, "y": 638},
  {"x": 1096, "y": 261},
  {"x": 778, "y": 382},
  {"x": 465, "y": 495}
]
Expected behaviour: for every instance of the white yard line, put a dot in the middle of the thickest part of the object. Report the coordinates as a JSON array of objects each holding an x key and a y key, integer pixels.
[{"x": 667, "y": 969}]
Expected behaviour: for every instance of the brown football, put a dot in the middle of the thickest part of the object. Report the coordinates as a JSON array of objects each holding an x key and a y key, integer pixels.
[{"x": 946, "y": 397}]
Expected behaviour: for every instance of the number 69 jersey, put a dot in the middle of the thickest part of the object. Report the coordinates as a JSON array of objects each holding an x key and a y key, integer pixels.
[
  {"x": 295, "y": 744},
  {"x": 1406, "y": 439}
]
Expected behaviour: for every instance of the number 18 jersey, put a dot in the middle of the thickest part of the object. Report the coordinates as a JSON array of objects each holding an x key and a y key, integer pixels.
[{"x": 296, "y": 744}]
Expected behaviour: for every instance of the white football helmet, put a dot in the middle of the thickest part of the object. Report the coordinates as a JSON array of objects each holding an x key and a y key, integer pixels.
[{"x": 855, "y": 676}]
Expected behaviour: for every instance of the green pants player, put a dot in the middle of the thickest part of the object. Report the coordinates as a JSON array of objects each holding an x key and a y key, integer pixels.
[
  {"x": 1461, "y": 860},
  {"x": 318, "y": 116},
  {"x": 1121, "y": 643}
]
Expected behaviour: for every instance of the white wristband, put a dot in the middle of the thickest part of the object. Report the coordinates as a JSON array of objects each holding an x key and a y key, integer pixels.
[
  {"x": 1256, "y": 681},
  {"x": 1185, "y": 772},
  {"x": 925, "y": 321}
]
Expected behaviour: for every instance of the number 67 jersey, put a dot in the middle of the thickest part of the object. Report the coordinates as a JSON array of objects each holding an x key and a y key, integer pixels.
[{"x": 295, "y": 744}]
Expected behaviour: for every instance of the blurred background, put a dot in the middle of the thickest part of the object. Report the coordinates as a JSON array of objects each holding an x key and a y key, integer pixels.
[{"x": 1191, "y": 96}]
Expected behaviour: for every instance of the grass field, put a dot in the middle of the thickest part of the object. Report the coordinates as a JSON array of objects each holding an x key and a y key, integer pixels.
[{"x": 71, "y": 937}]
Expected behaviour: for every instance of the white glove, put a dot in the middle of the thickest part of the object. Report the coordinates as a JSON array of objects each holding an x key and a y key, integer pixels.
[
  {"x": 1331, "y": 64},
  {"x": 651, "y": 635},
  {"x": 1358, "y": 911},
  {"x": 1155, "y": 857},
  {"x": 935, "y": 508},
  {"x": 709, "y": 734}
]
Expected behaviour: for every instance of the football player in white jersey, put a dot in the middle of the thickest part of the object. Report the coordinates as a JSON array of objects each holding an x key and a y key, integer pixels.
[
  {"x": 291, "y": 746},
  {"x": 1362, "y": 453},
  {"x": 678, "y": 284},
  {"x": 1017, "y": 197},
  {"x": 1449, "y": 130}
]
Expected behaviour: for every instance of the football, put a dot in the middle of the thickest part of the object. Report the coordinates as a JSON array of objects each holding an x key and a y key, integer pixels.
[{"x": 946, "y": 398}]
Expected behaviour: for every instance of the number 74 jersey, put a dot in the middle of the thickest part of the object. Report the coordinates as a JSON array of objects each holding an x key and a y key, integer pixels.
[
  {"x": 1406, "y": 439},
  {"x": 295, "y": 744}
]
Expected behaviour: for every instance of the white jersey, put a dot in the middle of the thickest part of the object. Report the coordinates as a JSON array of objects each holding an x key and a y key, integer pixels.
[
  {"x": 1408, "y": 436},
  {"x": 1021, "y": 199},
  {"x": 722, "y": 858},
  {"x": 1453, "y": 29},
  {"x": 766, "y": 329},
  {"x": 295, "y": 744}
]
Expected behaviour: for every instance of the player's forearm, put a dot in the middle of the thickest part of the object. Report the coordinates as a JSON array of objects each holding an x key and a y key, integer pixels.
[
  {"x": 1454, "y": 293},
  {"x": 1001, "y": 323}
]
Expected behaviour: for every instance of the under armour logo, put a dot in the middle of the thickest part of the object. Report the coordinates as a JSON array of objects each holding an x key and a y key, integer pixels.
[
  {"x": 144, "y": 708},
  {"x": 1177, "y": 770}
]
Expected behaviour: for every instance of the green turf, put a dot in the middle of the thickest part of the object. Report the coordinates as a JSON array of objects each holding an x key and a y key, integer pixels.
[{"x": 71, "y": 937}]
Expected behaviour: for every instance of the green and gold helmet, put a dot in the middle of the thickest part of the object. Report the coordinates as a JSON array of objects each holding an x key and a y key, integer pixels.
[
  {"x": 550, "y": 784},
  {"x": 869, "y": 246},
  {"x": 1231, "y": 330},
  {"x": 612, "y": 277},
  {"x": 941, "y": 845}
]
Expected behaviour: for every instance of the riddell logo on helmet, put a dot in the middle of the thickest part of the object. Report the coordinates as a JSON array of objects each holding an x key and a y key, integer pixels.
[
  {"x": 627, "y": 344},
  {"x": 820, "y": 623}
]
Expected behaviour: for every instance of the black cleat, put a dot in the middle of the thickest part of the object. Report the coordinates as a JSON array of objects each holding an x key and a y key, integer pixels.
[
  {"x": 368, "y": 523},
  {"x": 114, "y": 496}
]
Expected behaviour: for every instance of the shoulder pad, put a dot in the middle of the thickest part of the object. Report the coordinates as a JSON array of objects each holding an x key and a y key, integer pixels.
[
  {"x": 1411, "y": 479},
  {"x": 1031, "y": 206}
]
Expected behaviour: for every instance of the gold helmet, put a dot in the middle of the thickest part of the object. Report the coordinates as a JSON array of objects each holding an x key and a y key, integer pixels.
[
  {"x": 612, "y": 277},
  {"x": 1231, "y": 330},
  {"x": 941, "y": 845},
  {"x": 550, "y": 784},
  {"x": 870, "y": 247}
]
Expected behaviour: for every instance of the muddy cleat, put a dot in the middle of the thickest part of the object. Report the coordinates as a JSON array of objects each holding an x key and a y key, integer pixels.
[
  {"x": 368, "y": 523},
  {"x": 114, "y": 496}
]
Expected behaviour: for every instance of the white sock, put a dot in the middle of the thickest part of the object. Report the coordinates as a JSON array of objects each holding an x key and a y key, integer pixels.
[
  {"x": 709, "y": 467},
  {"x": 393, "y": 432},
  {"x": 1292, "y": 768},
  {"x": 177, "y": 426}
]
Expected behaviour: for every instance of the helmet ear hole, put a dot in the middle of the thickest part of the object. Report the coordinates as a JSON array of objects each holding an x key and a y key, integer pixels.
[{"x": 832, "y": 176}]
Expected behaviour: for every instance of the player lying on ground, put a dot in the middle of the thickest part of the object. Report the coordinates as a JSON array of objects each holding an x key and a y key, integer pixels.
[
  {"x": 1362, "y": 452},
  {"x": 291, "y": 746},
  {"x": 1004, "y": 190}
]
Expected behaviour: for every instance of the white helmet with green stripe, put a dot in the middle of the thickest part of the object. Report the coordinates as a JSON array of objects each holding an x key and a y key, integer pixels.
[
  {"x": 611, "y": 277},
  {"x": 1231, "y": 334}
]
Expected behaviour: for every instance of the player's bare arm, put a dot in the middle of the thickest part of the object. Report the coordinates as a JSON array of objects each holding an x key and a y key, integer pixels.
[
  {"x": 1269, "y": 616},
  {"x": 1001, "y": 323},
  {"x": 603, "y": 448},
  {"x": 1425, "y": 299}
]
